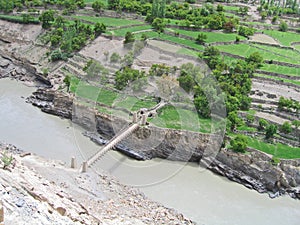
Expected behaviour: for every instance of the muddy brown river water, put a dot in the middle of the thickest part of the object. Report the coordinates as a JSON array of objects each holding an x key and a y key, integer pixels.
[{"x": 199, "y": 194}]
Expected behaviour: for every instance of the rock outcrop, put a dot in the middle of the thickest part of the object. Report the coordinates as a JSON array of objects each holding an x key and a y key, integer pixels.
[
  {"x": 39, "y": 191},
  {"x": 255, "y": 170}
]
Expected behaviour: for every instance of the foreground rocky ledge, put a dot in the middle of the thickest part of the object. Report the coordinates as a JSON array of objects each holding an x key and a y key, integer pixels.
[{"x": 39, "y": 191}]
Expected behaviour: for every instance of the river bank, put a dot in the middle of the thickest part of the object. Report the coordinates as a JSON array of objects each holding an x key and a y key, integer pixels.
[
  {"x": 40, "y": 191},
  {"x": 254, "y": 170}
]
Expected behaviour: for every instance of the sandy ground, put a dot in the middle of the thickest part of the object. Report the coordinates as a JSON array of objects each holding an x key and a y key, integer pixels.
[
  {"x": 263, "y": 38},
  {"x": 277, "y": 89}
]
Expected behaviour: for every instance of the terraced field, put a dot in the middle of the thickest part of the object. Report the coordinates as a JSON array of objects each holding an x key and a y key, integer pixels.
[
  {"x": 285, "y": 38},
  {"x": 111, "y": 22},
  {"x": 245, "y": 50},
  {"x": 211, "y": 36}
]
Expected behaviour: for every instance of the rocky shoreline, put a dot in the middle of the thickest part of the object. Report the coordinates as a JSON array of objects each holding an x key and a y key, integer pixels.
[
  {"x": 39, "y": 191},
  {"x": 255, "y": 170}
]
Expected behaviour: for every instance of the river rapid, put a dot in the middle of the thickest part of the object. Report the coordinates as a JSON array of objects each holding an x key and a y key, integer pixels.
[{"x": 199, "y": 194}]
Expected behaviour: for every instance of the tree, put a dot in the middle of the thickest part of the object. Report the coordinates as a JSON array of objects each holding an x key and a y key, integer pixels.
[
  {"x": 296, "y": 123},
  {"x": 220, "y": 8},
  {"x": 263, "y": 15},
  {"x": 262, "y": 124},
  {"x": 286, "y": 127},
  {"x": 255, "y": 58},
  {"x": 113, "y": 4},
  {"x": 99, "y": 28},
  {"x": 271, "y": 131},
  {"x": 283, "y": 26},
  {"x": 246, "y": 31},
  {"x": 98, "y": 6},
  {"x": 47, "y": 18},
  {"x": 158, "y": 9},
  {"x": 186, "y": 82},
  {"x": 129, "y": 38},
  {"x": 239, "y": 143},
  {"x": 202, "y": 105},
  {"x": 200, "y": 39},
  {"x": 159, "y": 25},
  {"x": 233, "y": 120},
  {"x": 250, "y": 119}
]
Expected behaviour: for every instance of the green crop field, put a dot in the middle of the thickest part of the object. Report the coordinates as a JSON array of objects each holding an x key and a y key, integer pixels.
[
  {"x": 122, "y": 32},
  {"x": 112, "y": 22},
  {"x": 91, "y": 1},
  {"x": 245, "y": 50},
  {"x": 292, "y": 71},
  {"x": 182, "y": 41},
  {"x": 176, "y": 118},
  {"x": 297, "y": 47},
  {"x": 279, "y": 78},
  {"x": 289, "y": 53},
  {"x": 278, "y": 150},
  {"x": 231, "y": 8},
  {"x": 211, "y": 36},
  {"x": 285, "y": 38},
  {"x": 185, "y": 51},
  {"x": 133, "y": 103}
]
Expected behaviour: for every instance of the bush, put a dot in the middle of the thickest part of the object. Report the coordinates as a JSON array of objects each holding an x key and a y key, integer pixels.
[
  {"x": 115, "y": 57},
  {"x": 246, "y": 31},
  {"x": 271, "y": 131},
  {"x": 286, "y": 127},
  {"x": 239, "y": 143},
  {"x": 283, "y": 26},
  {"x": 262, "y": 124},
  {"x": 275, "y": 161}
]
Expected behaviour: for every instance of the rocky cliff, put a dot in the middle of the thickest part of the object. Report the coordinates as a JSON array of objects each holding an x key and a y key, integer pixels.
[{"x": 255, "y": 170}]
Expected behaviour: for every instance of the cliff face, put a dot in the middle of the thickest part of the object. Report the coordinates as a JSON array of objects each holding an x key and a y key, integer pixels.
[{"x": 255, "y": 170}]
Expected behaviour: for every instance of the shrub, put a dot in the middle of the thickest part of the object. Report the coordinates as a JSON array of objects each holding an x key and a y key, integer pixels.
[
  {"x": 286, "y": 127},
  {"x": 115, "y": 57},
  {"x": 283, "y": 26},
  {"x": 271, "y": 131},
  {"x": 239, "y": 143}
]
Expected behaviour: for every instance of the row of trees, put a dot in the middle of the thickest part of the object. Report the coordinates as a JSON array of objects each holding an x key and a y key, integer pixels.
[
  {"x": 290, "y": 105},
  {"x": 66, "y": 38},
  {"x": 68, "y": 6}
]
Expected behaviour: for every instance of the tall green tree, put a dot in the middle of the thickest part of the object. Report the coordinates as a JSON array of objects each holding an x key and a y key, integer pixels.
[{"x": 47, "y": 18}]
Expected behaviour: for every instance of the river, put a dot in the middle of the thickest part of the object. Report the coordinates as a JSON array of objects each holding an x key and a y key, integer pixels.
[{"x": 199, "y": 194}]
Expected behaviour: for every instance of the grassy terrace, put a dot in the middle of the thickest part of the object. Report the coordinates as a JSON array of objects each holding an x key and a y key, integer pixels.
[
  {"x": 211, "y": 36},
  {"x": 112, "y": 22},
  {"x": 108, "y": 97},
  {"x": 122, "y": 32},
  {"x": 285, "y": 38},
  {"x": 289, "y": 53},
  {"x": 245, "y": 50},
  {"x": 278, "y": 150},
  {"x": 188, "y": 43},
  {"x": 177, "y": 118},
  {"x": 278, "y": 78},
  {"x": 17, "y": 18},
  {"x": 291, "y": 71},
  {"x": 231, "y": 8}
]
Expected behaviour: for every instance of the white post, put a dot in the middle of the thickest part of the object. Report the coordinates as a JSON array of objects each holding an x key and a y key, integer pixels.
[
  {"x": 144, "y": 119},
  {"x": 134, "y": 117},
  {"x": 1, "y": 213},
  {"x": 73, "y": 162},
  {"x": 84, "y": 167}
]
